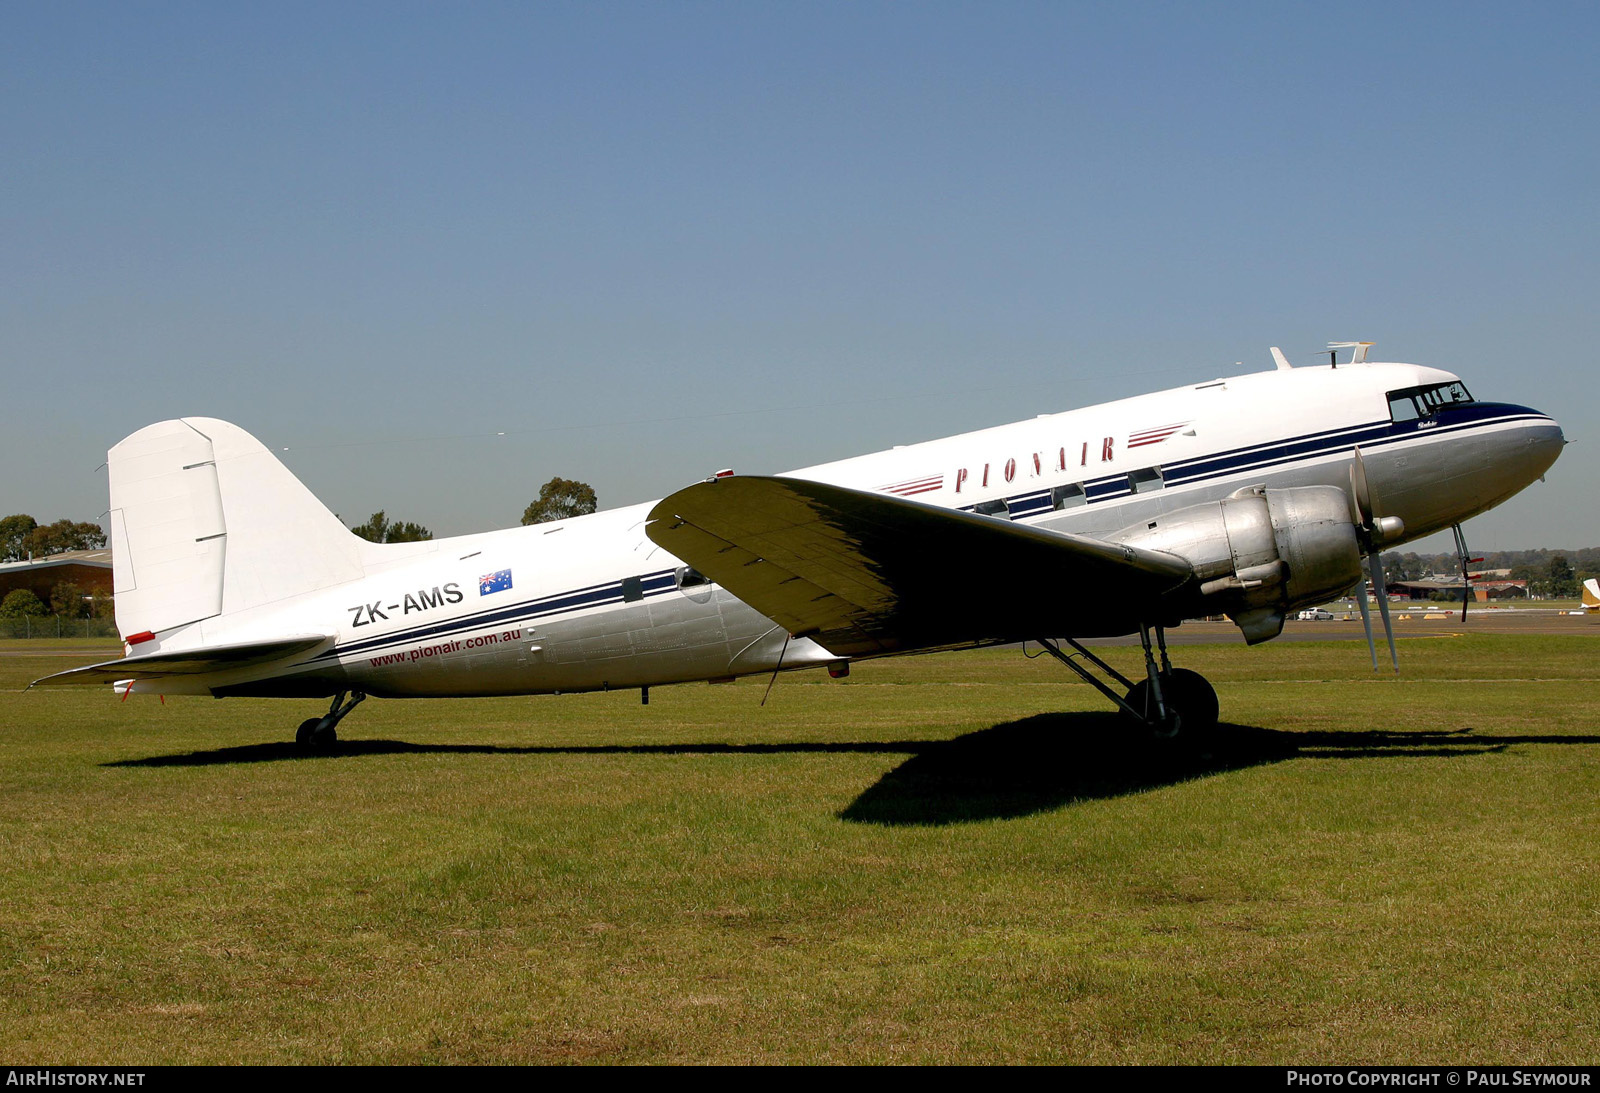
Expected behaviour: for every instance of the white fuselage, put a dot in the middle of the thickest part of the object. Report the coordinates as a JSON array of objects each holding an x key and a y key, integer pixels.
[{"x": 591, "y": 603}]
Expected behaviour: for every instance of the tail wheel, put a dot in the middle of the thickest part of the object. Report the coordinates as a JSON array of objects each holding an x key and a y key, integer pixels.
[
  {"x": 316, "y": 732},
  {"x": 322, "y": 732}
]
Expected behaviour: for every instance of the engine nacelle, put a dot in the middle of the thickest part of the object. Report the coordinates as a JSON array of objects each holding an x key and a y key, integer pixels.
[{"x": 1258, "y": 554}]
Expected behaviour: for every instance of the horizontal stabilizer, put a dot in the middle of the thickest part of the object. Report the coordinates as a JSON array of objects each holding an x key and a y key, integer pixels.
[
  {"x": 862, "y": 572},
  {"x": 209, "y": 658}
]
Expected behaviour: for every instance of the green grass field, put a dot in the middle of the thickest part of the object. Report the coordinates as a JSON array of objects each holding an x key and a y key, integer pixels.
[{"x": 946, "y": 858}]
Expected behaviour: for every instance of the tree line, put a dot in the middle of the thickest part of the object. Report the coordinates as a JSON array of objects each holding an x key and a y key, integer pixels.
[
  {"x": 67, "y": 601},
  {"x": 23, "y": 537}
]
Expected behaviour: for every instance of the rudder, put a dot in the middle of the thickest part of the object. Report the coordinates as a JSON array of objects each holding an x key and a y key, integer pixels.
[
  {"x": 168, "y": 537},
  {"x": 205, "y": 521}
]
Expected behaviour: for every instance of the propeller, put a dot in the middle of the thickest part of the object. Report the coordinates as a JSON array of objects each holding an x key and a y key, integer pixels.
[{"x": 1372, "y": 531}]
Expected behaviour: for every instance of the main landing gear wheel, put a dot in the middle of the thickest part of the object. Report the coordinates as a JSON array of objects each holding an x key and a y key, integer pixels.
[
  {"x": 1195, "y": 699},
  {"x": 1191, "y": 703},
  {"x": 1145, "y": 716}
]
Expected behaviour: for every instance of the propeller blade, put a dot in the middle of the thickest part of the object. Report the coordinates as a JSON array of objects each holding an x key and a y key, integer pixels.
[
  {"x": 1380, "y": 588},
  {"x": 1361, "y": 492},
  {"x": 1366, "y": 619}
]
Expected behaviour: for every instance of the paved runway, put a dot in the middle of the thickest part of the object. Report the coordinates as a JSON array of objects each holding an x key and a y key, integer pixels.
[{"x": 1409, "y": 622}]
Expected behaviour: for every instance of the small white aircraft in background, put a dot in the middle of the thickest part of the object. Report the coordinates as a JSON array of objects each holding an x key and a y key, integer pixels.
[{"x": 1250, "y": 496}]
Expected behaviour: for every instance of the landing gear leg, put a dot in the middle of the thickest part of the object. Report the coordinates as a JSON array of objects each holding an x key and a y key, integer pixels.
[
  {"x": 1089, "y": 677},
  {"x": 320, "y": 733},
  {"x": 1150, "y": 697},
  {"x": 1169, "y": 702}
]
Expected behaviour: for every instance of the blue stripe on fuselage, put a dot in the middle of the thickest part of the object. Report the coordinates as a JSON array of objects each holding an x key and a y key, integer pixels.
[
  {"x": 651, "y": 584},
  {"x": 1273, "y": 454}
]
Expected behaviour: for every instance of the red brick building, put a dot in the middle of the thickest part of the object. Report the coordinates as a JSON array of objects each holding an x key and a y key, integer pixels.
[{"x": 90, "y": 570}]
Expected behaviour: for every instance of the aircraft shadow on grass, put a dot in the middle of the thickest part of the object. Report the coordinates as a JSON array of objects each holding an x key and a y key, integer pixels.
[
  {"x": 1013, "y": 769},
  {"x": 1049, "y": 761}
]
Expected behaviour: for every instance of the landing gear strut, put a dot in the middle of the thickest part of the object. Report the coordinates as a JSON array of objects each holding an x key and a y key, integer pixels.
[
  {"x": 319, "y": 732},
  {"x": 1169, "y": 702}
]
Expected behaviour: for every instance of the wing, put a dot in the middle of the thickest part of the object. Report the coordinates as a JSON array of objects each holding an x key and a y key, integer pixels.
[
  {"x": 210, "y": 658},
  {"x": 864, "y": 573}
]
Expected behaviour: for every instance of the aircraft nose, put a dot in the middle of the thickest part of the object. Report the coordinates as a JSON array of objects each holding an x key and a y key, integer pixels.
[
  {"x": 1546, "y": 436},
  {"x": 1531, "y": 448}
]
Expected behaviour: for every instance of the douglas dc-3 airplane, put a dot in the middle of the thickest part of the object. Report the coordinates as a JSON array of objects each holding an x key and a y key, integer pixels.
[{"x": 1249, "y": 496}]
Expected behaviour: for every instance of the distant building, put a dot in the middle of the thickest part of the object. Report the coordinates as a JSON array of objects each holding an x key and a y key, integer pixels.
[
  {"x": 1451, "y": 588},
  {"x": 1425, "y": 589},
  {"x": 90, "y": 570},
  {"x": 1499, "y": 590}
]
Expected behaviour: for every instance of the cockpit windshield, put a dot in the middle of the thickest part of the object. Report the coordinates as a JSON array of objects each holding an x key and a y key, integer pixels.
[{"x": 1423, "y": 402}]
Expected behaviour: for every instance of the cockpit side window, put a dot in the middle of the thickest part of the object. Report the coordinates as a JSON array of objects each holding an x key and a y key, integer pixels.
[{"x": 1423, "y": 402}]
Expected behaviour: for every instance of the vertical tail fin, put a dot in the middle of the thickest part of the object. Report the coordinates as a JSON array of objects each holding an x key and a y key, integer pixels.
[
  {"x": 1591, "y": 594},
  {"x": 205, "y": 521}
]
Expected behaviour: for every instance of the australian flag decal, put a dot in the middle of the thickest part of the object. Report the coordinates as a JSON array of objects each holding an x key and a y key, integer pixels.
[{"x": 498, "y": 581}]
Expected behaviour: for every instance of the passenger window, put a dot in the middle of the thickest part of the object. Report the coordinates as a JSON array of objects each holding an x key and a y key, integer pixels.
[
  {"x": 1068, "y": 497},
  {"x": 997, "y": 507},
  {"x": 689, "y": 577},
  {"x": 1146, "y": 481}
]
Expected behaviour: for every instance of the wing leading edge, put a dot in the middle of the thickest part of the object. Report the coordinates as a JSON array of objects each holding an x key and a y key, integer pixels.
[{"x": 863, "y": 573}]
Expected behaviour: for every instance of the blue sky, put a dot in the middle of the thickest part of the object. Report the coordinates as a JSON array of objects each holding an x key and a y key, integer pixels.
[{"x": 649, "y": 241}]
